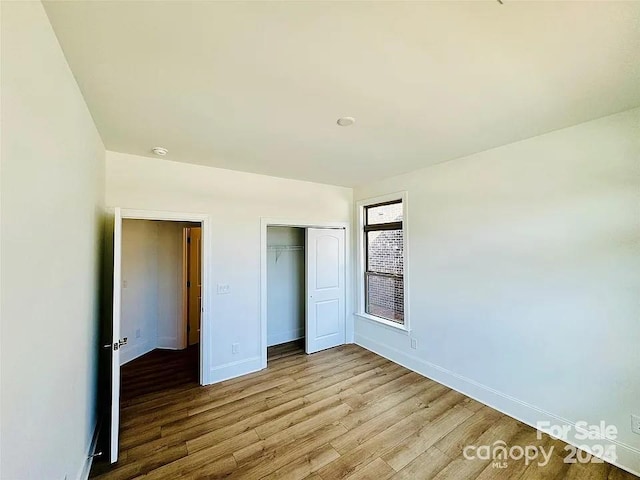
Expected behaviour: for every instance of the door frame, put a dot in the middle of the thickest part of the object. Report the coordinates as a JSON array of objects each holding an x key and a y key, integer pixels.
[
  {"x": 279, "y": 222},
  {"x": 206, "y": 320}
]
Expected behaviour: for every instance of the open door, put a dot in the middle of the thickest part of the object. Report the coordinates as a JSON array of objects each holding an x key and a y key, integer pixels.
[
  {"x": 325, "y": 316},
  {"x": 194, "y": 285},
  {"x": 114, "y": 256}
]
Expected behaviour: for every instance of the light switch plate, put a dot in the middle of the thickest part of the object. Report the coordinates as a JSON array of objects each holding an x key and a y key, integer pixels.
[{"x": 414, "y": 343}]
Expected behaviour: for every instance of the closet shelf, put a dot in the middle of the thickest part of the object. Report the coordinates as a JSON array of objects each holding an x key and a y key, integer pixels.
[{"x": 278, "y": 249}]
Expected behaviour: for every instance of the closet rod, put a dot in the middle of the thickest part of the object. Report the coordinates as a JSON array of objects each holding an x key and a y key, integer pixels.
[{"x": 285, "y": 247}]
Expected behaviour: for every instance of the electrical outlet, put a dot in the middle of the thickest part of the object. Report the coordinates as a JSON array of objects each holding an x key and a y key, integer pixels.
[
  {"x": 414, "y": 343},
  {"x": 137, "y": 333},
  {"x": 223, "y": 289},
  {"x": 635, "y": 424},
  {"x": 125, "y": 284},
  {"x": 235, "y": 348}
]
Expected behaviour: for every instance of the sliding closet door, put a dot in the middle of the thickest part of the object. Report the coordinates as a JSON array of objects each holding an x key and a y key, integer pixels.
[{"x": 325, "y": 316}]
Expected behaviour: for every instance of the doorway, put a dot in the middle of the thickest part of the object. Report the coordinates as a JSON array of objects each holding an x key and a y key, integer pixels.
[
  {"x": 115, "y": 289},
  {"x": 192, "y": 282},
  {"x": 159, "y": 262},
  {"x": 285, "y": 287},
  {"x": 303, "y": 276},
  {"x": 160, "y": 289}
]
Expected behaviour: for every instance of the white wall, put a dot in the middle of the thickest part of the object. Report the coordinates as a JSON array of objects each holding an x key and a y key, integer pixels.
[
  {"x": 235, "y": 202},
  {"x": 151, "y": 315},
  {"x": 285, "y": 285},
  {"x": 525, "y": 276},
  {"x": 139, "y": 313},
  {"x": 171, "y": 329},
  {"x": 52, "y": 203}
]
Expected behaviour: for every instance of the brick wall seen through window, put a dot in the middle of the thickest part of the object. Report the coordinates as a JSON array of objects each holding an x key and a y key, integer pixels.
[{"x": 384, "y": 282}]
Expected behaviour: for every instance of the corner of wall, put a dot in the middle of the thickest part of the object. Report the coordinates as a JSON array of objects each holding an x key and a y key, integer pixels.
[{"x": 628, "y": 457}]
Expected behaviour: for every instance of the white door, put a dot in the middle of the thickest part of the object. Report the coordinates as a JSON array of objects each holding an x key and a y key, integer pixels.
[
  {"x": 115, "y": 340},
  {"x": 325, "y": 317}
]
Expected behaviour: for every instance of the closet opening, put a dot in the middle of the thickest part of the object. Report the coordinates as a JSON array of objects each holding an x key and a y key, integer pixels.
[
  {"x": 285, "y": 291},
  {"x": 303, "y": 287}
]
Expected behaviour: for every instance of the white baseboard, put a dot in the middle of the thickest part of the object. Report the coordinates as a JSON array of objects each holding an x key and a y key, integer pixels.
[
  {"x": 628, "y": 456},
  {"x": 85, "y": 469},
  {"x": 234, "y": 369},
  {"x": 284, "y": 337},
  {"x": 168, "y": 343},
  {"x": 133, "y": 351}
]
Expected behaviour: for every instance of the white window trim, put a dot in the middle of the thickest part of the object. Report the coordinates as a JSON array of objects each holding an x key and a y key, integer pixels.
[{"x": 360, "y": 311}]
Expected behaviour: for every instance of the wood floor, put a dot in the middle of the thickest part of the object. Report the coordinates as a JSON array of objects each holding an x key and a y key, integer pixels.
[
  {"x": 158, "y": 371},
  {"x": 343, "y": 413}
]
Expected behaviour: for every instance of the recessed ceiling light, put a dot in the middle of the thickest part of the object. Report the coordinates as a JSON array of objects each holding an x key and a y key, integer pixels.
[
  {"x": 346, "y": 121},
  {"x": 160, "y": 151}
]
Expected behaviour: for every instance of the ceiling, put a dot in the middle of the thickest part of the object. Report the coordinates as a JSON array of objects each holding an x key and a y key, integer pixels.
[{"x": 258, "y": 86}]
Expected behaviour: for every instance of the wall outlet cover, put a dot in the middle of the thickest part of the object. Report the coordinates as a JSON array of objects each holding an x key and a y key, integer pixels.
[
  {"x": 223, "y": 289},
  {"x": 235, "y": 348},
  {"x": 635, "y": 424},
  {"x": 414, "y": 343}
]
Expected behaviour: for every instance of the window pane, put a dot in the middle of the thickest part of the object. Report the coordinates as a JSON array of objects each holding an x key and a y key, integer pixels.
[
  {"x": 385, "y": 297},
  {"x": 384, "y": 251},
  {"x": 384, "y": 214}
]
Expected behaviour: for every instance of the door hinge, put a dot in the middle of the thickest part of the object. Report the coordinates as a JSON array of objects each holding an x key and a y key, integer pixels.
[
  {"x": 188, "y": 239},
  {"x": 188, "y": 328},
  {"x": 188, "y": 284},
  {"x": 120, "y": 343}
]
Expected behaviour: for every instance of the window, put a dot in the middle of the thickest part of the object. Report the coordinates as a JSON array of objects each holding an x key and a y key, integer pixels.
[{"x": 384, "y": 261}]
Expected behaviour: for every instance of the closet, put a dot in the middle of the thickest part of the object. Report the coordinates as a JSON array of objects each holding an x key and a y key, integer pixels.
[{"x": 285, "y": 284}]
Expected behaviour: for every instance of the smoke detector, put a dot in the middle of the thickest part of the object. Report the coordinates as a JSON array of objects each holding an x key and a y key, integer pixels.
[
  {"x": 160, "y": 151},
  {"x": 346, "y": 121}
]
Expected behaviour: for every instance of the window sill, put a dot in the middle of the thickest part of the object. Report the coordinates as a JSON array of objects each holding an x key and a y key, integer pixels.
[{"x": 385, "y": 323}]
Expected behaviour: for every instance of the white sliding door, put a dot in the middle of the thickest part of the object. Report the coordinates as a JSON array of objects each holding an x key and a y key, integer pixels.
[{"x": 325, "y": 316}]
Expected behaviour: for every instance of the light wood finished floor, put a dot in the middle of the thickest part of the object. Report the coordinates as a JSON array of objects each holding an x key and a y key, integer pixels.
[{"x": 343, "y": 413}]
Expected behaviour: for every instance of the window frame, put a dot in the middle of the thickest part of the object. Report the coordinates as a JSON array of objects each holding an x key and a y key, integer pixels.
[{"x": 363, "y": 228}]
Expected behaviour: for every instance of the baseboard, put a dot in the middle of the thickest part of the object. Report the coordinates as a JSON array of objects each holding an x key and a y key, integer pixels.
[
  {"x": 289, "y": 336},
  {"x": 132, "y": 351},
  {"x": 234, "y": 369},
  {"x": 85, "y": 469},
  {"x": 168, "y": 343},
  {"x": 628, "y": 457}
]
